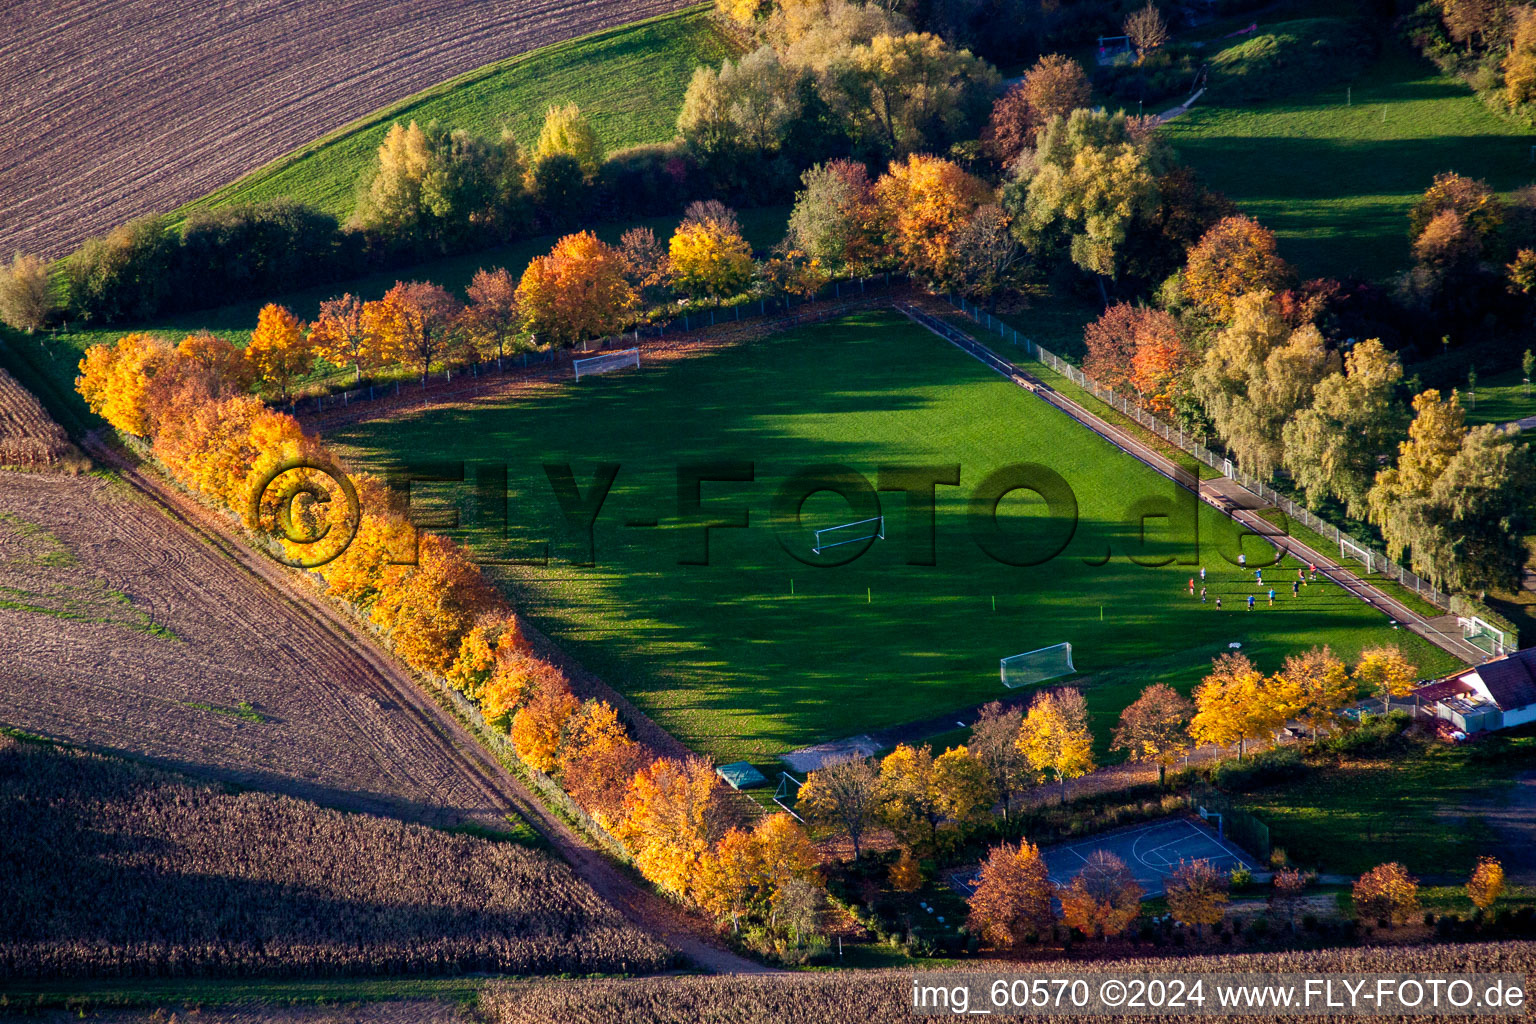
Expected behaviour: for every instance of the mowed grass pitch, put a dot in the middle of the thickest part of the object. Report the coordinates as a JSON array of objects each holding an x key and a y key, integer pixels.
[
  {"x": 730, "y": 661},
  {"x": 1335, "y": 171}
]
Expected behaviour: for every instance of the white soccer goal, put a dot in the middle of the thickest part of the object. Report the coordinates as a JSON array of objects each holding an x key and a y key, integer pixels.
[
  {"x": 623, "y": 359},
  {"x": 850, "y": 533},
  {"x": 1484, "y": 636},
  {"x": 1349, "y": 549},
  {"x": 788, "y": 794},
  {"x": 1037, "y": 666}
]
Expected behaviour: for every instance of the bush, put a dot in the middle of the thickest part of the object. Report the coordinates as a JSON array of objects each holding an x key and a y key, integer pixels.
[
  {"x": 1263, "y": 769},
  {"x": 1376, "y": 736},
  {"x": 1291, "y": 55}
]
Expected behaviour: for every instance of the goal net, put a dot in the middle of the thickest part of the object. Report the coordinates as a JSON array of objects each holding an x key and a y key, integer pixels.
[
  {"x": 1484, "y": 635},
  {"x": 1349, "y": 549},
  {"x": 624, "y": 359},
  {"x": 850, "y": 533},
  {"x": 788, "y": 794},
  {"x": 1037, "y": 666}
]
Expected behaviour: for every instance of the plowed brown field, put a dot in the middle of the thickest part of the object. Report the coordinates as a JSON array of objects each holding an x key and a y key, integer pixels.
[
  {"x": 119, "y": 631},
  {"x": 116, "y": 108}
]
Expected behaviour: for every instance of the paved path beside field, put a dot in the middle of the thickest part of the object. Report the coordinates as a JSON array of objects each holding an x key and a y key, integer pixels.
[{"x": 1236, "y": 502}]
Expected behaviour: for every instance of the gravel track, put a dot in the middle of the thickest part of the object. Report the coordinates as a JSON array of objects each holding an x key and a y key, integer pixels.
[{"x": 117, "y": 108}]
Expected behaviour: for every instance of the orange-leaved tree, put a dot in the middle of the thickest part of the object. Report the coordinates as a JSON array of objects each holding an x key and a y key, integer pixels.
[
  {"x": 414, "y": 319},
  {"x": 1103, "y": 899},
  {"x": 430, "y": 608},
  {"x": 280, "y": 351},
  {"x": 1387, "y": 892},
  {"x": 576, "y": 292},
  {"x": 1197, "y": 894},
  {"x": 1155, "y": 728},
  {"x": 1013, "y": 896},
  {"x": 492, "y": 317},
  {"x": 673, "y": 815},
  {"x": 539, "y": 726},
  {"x": 1235, "y": 257},
  {"x": 924, "y": 202},
  {"x": 340, "y": 336},
  {"x": 115, "y": 380}
]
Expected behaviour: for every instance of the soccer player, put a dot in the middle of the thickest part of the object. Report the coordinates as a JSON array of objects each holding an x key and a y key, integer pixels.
[
  {"x": 1295, "y": 588},
  {"x": 1202, "y": 595},
  {"x": 1202, "y": 574},
  {"x": 1191, "y": 586},
  {"x": 1218, "y": 604},
  {"x": 1250, "y": 602},
  {"x": 1312, "y": 569},
  {"x": 1242, "y": 560},
  {"x": 1258, "y": 576},
  {"x": 1271, "y": 597}
]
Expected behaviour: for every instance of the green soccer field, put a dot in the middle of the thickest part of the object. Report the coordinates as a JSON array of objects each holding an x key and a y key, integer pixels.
[{"x": 759, "y": 652}]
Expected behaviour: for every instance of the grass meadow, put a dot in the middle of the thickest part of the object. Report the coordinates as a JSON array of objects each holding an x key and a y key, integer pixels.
[
  {"x": 1334, "y": 171},
  {"x": 767, "y": 647},
  {"x": 629, "y": 81}
]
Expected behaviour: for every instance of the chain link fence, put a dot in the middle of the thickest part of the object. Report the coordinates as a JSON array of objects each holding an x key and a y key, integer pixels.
[{"x": 1187, "y": 442}]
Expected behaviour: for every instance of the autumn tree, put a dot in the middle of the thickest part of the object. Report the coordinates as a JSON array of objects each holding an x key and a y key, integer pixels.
[
  {"x": 221, "y": 367},
  {"x": 1386, "y": 673},
  {"x": 428, "y": 612},
  {"x": 924, "y": 202},
  {"x": 645, "y": 262},
  {"x": 1089, "y": 182},
  {"x": 1313, "y": 687},
  {"x": 26, "y": 294},
  {"x": 988, "y": 259},
  {"x": 1234, "y": 258},
  {"x": 963, "y": 788},
  {"x": 1458, "y": 500},
  {"x": 1055, "y": 738},
  {"x": 414, "y": 319},
  {"x": 567, "y": 132},
  {"x": 492, "y": 316},
  {"x": 340, "y": 335},
  {"x": 1054, "y": 87},
  {"x": 1486, "y": 884},
  {"x": 836, "y": 218},
  {"x": 1154, "y": 728},
  {"x": 1387, "y": 892},
  {"x": 744, "y": 12},
  {"x": 726, "y": 876},
  {"x": 600, "y": 780},
  {"x": 1118, "y": 339},
  {"x": 1013, "y": 897},
  {"x": 1520, "y": 61},
  {"x": 1256, "y": 375},
  {"x": 1332, "y": 447},
  {"x": 1469, "y": 198},
  {"x": 115, "y": 380},
  {"x": 279, "y": 351},
  {"x": 709, "y": 259},
  {"x": 1234, "y": 704},
  {"x": 591, "y": 732},
  {"x": 909, "y": 794},
  {"x": 673, "y": 815},
  {"x": 1287, "y": 886},
  {"x": 538, "y": 727},
  {"x": 906, "y": 872},
  {"x": 576, "y": 292},
  {"x": 1197, "y": 894},
  {"x": 844, "y": 793},
  {"x": 911, "y": 92},
  {"x": 1104, "y": 899},
  {"x": 1147, "y": 30},
  {"x": 995, "y": 746}
]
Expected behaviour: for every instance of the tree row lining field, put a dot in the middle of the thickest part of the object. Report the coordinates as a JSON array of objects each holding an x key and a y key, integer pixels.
[
  {"x": 730, "y": 659},
  {"x": 269, "y": 76},
  {"x": 1333, "y": 172}
]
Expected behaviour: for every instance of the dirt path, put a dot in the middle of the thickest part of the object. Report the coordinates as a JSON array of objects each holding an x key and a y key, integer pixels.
[{"x": 326, "y": 626}]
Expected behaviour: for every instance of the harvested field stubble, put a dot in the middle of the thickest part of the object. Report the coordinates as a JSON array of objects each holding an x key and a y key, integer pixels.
[
  {"x": 116, "y": 869},
  {"x": 28, "y": 436},
  {"x": 884, "y": 997},
  {"x": 120, "y": 630},
  {"x": 117, "y": 108}
]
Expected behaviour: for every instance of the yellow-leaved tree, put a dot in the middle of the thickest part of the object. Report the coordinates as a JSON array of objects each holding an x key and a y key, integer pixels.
[
  {"x": 280, "y": 351},
  {"x": 1386, "y": 673},
  {"x": 1055, "y": 737},
  {"x": 567, "y": 132},
  {"x": 710, "y": 259},
  {"x": 115, "y": 380},
  {"x": 576, "y": 292},
  {"x": 674, "y": 813}
]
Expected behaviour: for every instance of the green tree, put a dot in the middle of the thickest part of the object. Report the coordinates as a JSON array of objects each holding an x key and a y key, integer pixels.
[
  {"x": 1331, "y": 448},
  {"x": 567, "y": 132},
  {"x": 836, "y": 218},
  {"x": 1089, "y": 181},
  {"x": 912, "y": 92}
]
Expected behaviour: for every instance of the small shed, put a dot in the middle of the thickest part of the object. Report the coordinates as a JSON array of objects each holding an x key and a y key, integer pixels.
[{"x": 741, "y": 775}]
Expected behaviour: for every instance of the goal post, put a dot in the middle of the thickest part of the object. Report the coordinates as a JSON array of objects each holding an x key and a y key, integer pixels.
[
  {"x": 624, "y": 359},
  {"x": 1037, "y": 666},
  {"x": 1360, "y": 553},
  {"x": 1484, "y": 635},
  {"x": 788, "y": 794},
  {"x": 849, "y": 533}
]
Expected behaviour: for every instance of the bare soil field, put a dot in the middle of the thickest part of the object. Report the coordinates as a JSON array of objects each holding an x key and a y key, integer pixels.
[
  {"x": 119, "y": 630},
  {"x": 28, "y": 435},
  {"x": 117, "y": 108}
]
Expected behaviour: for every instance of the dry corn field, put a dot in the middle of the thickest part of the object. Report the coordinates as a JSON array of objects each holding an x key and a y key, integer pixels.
[
  {"x": 884, "y": 997},
  {"x": 115, "y": 869},
  {"x": 117, "y": 108},
  {"x": 123, "y": 630},
  {"x": 28, "y": 436}
]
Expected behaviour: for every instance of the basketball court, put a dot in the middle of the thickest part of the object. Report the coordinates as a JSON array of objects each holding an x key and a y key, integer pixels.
[{"x": 1152, "y": 852}]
